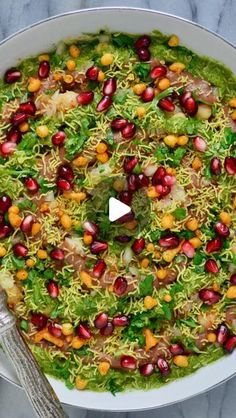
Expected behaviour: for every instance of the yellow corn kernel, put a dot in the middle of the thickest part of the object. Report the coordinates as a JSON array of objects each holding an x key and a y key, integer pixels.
[
  {"x": 57, "y": 76},
  {"x": 24, "y": 127},
  {"x": 150, "y": 340},
  {"x": 14, "y": 209},
  {"x": 42, "y": 254},
  {"x": 182, "y": 140},
  {"x": 164, "y": 84},
  {"x": 67, "y": 329},
  {"x": 103, "y": 368},
  {"x": 149, "y": 302},
  {"x": 107, "y": 59},
  {"x": 197, "y": 163},
  {"x": 45, "y": 335},
  {"x": 101, "y": 148},
  {"x": 177, "y": 67},
  {"x": 140, "y": 112},
  {"x": 192, "y": 224},
  {"x": 144, "y": 263},
  {"x": 232, "y": 102},
  {"x": 180, "y": 361},
  {"x": 152, "y": 193},
  {"x": 43, "y": 57},
  {"x": 169, "y": 255},
  {"x": 167, "y": 221},
  {"x": 80, "y": 161},
  {"x": 157, "y": 254},
  {"x": 80, "y": 384},
  {"x": 167, "y": 298},
  {"x": 34, "y": 84},
  {"x": 139, "y": 88},
  {"x": 118, "y": 185},
  {"x": 150, "y": 247},
  {"x": 44, "y": 208},
  {"x": 30, "y": 262},
  {"x": 216, "y": 287},
  {"x": 171, "y": 171},
  {"x": 225, "y": 218},
  {"x": 36, "y": 227},
  {"x": 170, "y": 140},
  {"x": 87, "y": 238},
  {"x": 3, "y": 251},
  {"x": 42, "y": 131},
  {"x": 161, "y": 274},
  {"x": 103, "y": 158},
  {"x": 231, "y": 292},
  {"x": 233, "y": 115},
  {"x": 131, "y": 224},
  {"x": 68, "y": 78},
  {"x": 101, "y": 76},
  {"x": 86, "y": 279},
  {"x": 14, "y": 219},
  {"x": 211, "y": 337},
  {"x": 74, "y": 51},
  {"x": 77, "y": 342},
  {"x": 196, "y": 242},
  {"x": 66, "y": 221},
  {"x": 173, "y": 41},
  {"x": 22, "y": 274},
  {"x": 76, "y": 196},
  {"x": 71, "y": 65}
]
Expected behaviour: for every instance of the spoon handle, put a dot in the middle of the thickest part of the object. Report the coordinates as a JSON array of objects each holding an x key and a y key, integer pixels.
[{"x": 39, "y": 391}]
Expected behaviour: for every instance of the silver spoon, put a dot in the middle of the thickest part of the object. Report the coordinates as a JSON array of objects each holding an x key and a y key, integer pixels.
[{"x": 39, "y": 391}]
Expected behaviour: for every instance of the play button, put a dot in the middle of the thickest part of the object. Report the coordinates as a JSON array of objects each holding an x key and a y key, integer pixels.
[{"x": 117, "y": 209}]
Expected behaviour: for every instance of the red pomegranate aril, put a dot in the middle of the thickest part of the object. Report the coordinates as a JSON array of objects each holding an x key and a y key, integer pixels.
[
  {"x": 63, "y": 184},
  {"x": 166, "y": 104},
  {"x": 144, "y": 54},
  {"x": 120, "y": 286},
  {"x": 125, "y": 197},
  {"x": 118, "y": 124},
  {"x": 158, "y": 71},
  {"x": 128, "y": 362},
  {"x": 14, "y": 136},
  {"x": 44, "y": 69},
  {"x": 129, "y": 164},
  {"x": 92, "y": 73},
  {"x": 123, "y": 239},
  {"x": 126, "y": 218},
  {"x": 233, "y": 279},
  {"x": 20, "y": 250},
  {"x": 168, "y": 180},
  {"x": 222, "y": 334},
  {"x": 138, "y": 245},
  {"x": 120, "y": 321},
  {"x": 230, "y": 344},
  {"x": 158, "y": 176},
  {"x": 169, "y": 241},
  {"x": 143, "y": 180},
  {"x": 209, "y": 296},
  {"x": 133, "y": 183},
  {"x": 66, "y": 172},
  {"x": 39, "y": 320},
  {"x": 98, "y": 247},
  {"x": 57, "y": 254},
  {"x": 104, "y": 103},
  {"x": 5, "y": 203},
  {"x": 109, "y": 87},
  {"x": 91, "y": 228},
  {"x": 5, "y": 231},
  {"x": 222, "y": 229},
  {"x": 18, "y": 118},
  {"x": 28, "y": 107},
  {"x": 107, "y": 330},
  {"x": 186, "y": 95},
  {"x": 163, "y": 366},
  {"x": 146, "y": 369},
  {"x": 99, "y": 268},
  {"x": 211, "y": 266},
  {"x": 58, "y": 138},
  {"x": 176, "y": 349},
  {"x": 84, "y": 98},
  {"x": 31, "y": 185},
  {"x": 101, "y": 320},
  {"x": 214, "y": 245},
  {"x": 215, "y": 166},
  {"x": 230, "y": 165},
  {"x": 188, "y": 249},
  {"x": 199, "y": 144},
  {"x": 26, "y": 224},
  {"x": 142, "y": 42},
  {"x": 1, "y": 220},
  {"x": 128, "y": 131},
  {"x": 12, "y": 75},
  {"x": 148, "y": 94},
  {"x": 84, "y": 332},
  {"x": 190, "y": 106},
  {"x": 53, "y": 289},
  {"x": 55, "y": 329},
  {"x": 163, "y": 190},
  {"x": 7, "y": 148}
]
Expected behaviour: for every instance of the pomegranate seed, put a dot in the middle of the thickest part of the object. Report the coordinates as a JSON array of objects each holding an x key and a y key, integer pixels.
[
  {"x": 44, "y": 69},
  {"x": 12, "y": 75},
  {"x": 158, "y": 71},
  {"x": 123, "y": 239},
  {"x": 230, "y": 344},
  {"x": 166, "y": 104},
  {"x": 209, "y": 296},
  {"x": 5, "y": 231},
  {"x": 163, "y": 190},
  {"x": 214, "y": 245},
  {"x": 158, "y": 176},
  {"x": 128, "y": 362},
  {"x": 148, "y": 94},
  {"x": 55, "y": 329},
  {"x": 199, "y": 144},
  {"x": 99, "y": 268},
  {"x": 168, "y": 180},
  {"x": 186, "y": 95},
  {"x": 128, "y": 131},
  {"x": 109, "y": 87},
  {"x": 85, "y": 98},
  {"x": 211, "y": 266},
  {"x": 138, "y": 245},
  {"x": 163, "y": 366},
  {"x": 215, "y": 166},
  {"x": 63, "y": 184},
  {"x": 66, "y": 172},
  {"x": 98, "y": 247},
  {"x": 169, "y": 241},
  {"x": 188, "y": 249},
  {"x": 222, "y": 334},
  {"x": 142, "y": 42},
  {"x": 92, "y": 73},
  {"x": 5, "y": 203},
  {"x": 31, "y": 185},
  {"x": 104, "y": 104},
  {"x": 7, "y": 148},
  {"x": 126, "y": 218},
  {"x": 125, "y": 197},
  {"x": 176, "y": 349},
  {"x": 39, "y": 320},
  {"x": 101, "y": 320},
  {"x": 144, "y": 54},
  {"x": 190, "y": 106},
  {"x": 28, "y": 107},
  {"x": 230, "y": 165},
  {"x": 133, "y": 183},
  {"x": 129, "y": 164},
  {"x": 143, "y": 180},
  {"x": 120, "y": 286},
  {"x": 107, "y": 330},
  {"x": 146, "y": 369},
  {"x": 118, "y": 124},
  {"x": 58, "y": 138},
  {"x": 14, "y": 136},
  {"x": 53, "y": 289},
  {"x": 57, "y": 254},
  {"x": 26, "y": 224},
  {"x": 18, "y": 118},
  {"x": 91, "y": 228},
  {"x": 120, "y": 321},
  {"x": 84, "y": 331},
  {"x": 233, "y": 279},
  {"x": 222, "y": 229},
  {"x": 20, "y": 250}
]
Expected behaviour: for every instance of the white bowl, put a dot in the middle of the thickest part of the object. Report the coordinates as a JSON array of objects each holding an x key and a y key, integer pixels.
[{"x": 42, "y": 37}]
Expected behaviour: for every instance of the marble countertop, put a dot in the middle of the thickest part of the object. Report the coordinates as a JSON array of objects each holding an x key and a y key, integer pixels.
[{"x": 217, "y": 15}]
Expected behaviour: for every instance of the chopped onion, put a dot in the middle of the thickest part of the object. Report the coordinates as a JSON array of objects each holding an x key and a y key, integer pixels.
[
  {"x": 49, "y": 196},
  {"x": 74, "y": 244},
  {"x": 127, "y": 256},
  {"x": 150, "y": 169},
  {"x": 6, "y": 279}
]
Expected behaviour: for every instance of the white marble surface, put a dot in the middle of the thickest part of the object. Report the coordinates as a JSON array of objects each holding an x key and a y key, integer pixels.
[{"x": 217, "y": 15}]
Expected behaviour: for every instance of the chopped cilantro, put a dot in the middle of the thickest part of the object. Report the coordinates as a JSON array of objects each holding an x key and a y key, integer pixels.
[
  {"x": 180, "y": 214},
  {"x": 146, "y": 286},
  {"x": 142, "y": 70}
]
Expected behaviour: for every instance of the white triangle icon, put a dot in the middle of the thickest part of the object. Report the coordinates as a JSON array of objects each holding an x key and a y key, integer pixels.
[{"x": 117, "y": 209}]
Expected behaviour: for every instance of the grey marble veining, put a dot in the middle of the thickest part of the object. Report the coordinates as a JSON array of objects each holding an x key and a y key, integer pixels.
[{"x": 217, "y": 15}]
